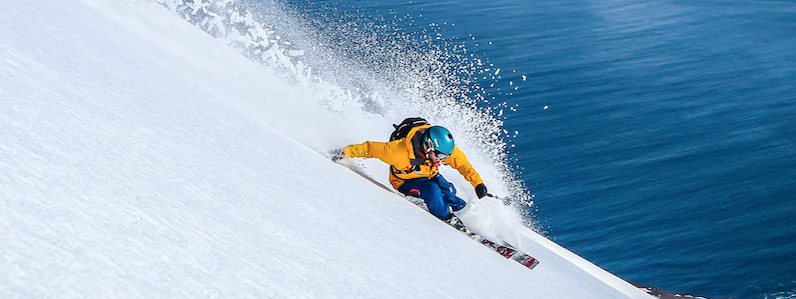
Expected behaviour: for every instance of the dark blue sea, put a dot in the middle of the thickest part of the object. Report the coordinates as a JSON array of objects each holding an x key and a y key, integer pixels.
[{"x": 658, "y": 137}]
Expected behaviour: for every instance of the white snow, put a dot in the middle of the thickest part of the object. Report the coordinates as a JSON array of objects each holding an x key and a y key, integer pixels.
[{"x": 142, "y": 158}]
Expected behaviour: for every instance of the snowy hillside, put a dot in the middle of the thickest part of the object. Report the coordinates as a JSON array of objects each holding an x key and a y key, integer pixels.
[{"x": 142, "y": 158}]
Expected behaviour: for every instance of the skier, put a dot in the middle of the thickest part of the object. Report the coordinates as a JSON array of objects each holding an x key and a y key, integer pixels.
[{"x": 414, "y": 161}]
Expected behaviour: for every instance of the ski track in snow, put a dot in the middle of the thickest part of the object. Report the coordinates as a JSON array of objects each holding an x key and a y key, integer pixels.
[{"x": 139, "y": 157}]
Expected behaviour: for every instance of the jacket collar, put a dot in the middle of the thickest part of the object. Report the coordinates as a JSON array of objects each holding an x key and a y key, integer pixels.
[{"x": 413, "y": 141}]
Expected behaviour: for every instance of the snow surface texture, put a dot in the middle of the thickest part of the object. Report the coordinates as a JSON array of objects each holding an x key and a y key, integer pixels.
[{"x": 142, "y": 158}]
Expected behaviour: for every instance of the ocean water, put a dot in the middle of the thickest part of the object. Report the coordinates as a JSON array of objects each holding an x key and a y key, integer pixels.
[{"x": 658, "y": 138}]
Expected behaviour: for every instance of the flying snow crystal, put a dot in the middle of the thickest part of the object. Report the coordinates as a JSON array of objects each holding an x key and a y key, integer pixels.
[
  {"x": 545, "y": 107},
  {"x": 524, "y": 77},
  {"x": 497, "y": 72}
]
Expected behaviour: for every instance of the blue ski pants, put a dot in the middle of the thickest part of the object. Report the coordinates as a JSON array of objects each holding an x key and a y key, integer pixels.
[{"x": 438, "y": 194}]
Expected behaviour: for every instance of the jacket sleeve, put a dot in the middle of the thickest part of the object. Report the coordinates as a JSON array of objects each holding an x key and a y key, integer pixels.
[
  {"x": 459, "y": 161},
  {"x": 385, "y": 151}
]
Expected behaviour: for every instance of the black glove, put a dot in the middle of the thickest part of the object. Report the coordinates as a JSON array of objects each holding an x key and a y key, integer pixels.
[
  {"x": 480, "y": 190},
  {"x": 336, "y": 154}
]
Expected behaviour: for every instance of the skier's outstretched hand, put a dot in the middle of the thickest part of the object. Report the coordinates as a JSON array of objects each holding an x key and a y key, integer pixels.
[{"x": 336, "y": 154}]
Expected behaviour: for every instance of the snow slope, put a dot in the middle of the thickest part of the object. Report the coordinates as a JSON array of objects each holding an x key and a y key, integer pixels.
[{"x": 140, "y": 157}]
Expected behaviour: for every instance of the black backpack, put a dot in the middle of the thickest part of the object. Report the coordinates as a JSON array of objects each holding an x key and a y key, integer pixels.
[{"x": 403, "y": 129}]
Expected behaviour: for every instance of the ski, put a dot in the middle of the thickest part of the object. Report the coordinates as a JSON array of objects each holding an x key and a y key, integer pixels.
[
  {"x": 509, "y": 252},
  {"x": 504, "y": 250}
]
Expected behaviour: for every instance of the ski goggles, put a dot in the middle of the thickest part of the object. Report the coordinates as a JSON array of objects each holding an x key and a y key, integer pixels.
[
  {"x": 441, "y": 155},
  {"x": 429, "y": 147}
]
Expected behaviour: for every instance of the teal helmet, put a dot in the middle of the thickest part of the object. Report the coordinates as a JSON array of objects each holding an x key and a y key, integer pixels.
[{"x": 439, "y": 140}]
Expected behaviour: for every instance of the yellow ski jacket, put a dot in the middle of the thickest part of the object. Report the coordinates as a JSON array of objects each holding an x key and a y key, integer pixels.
[{"x": 404, "y": 165}]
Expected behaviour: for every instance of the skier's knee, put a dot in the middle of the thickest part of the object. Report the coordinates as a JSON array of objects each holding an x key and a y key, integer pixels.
[
  {"x": 438, "y": 208},
  {"x": 457, "y": 206}
]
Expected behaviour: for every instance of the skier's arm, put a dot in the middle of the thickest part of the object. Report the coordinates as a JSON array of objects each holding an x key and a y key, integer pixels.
[
  {"x": 385, "y": 151},
  {"x": 459, "y": 161}
]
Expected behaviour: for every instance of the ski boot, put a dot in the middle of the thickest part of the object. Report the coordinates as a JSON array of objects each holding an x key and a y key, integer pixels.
[{"x": 456, "y": 223}]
